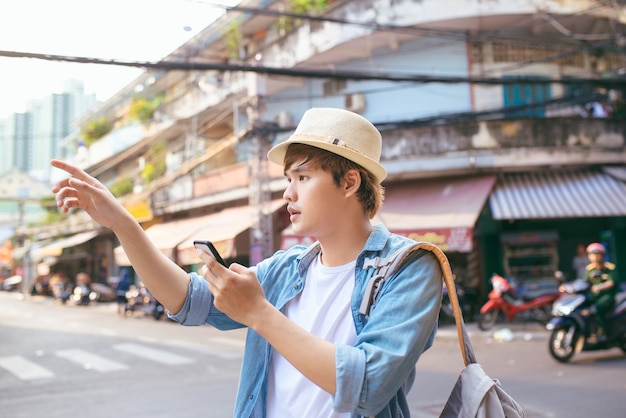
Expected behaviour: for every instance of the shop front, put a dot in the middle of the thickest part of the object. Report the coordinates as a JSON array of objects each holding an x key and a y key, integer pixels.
[
  {"x": 86, "y": 252},
  {"x": 538, "y": 219}
]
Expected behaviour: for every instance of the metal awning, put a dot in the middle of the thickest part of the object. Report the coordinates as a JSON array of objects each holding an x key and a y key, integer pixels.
[
  {"x": 438, "y": 203},
  {"x": 55, "y": 248},
  {"x": 557, "y": 195},
  {"x": 441, "y": 211},
  {"x": 618, "y": 172},
  {"x": 175, "y": 238}
]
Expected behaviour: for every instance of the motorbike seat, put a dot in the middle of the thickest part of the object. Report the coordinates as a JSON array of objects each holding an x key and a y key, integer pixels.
[
  {"x": 537, "y": 288},
  {"x": 533, "y": 294},
  {"x": 620, "y": 304}
]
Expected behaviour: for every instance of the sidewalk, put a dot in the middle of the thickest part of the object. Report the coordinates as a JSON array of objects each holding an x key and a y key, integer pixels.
[{"x": 501, "y": 332}]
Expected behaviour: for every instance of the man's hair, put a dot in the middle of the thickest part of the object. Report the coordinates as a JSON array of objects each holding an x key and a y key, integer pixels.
[{"x": 371, "y": 193}]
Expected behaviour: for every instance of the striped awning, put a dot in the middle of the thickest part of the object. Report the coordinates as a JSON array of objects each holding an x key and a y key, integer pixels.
[
  {"x": 557, "y": 195},
  {"x": 55, "y": 248},
  {"x": 618, "y": 172}
]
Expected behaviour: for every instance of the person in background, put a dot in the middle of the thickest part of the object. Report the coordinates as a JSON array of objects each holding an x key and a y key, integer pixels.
[
  {"x": 580, "y": 261},
  {"x": 6, "y": 260},
  {"x": 82, "y": 288},
  {"x": 120, "y": 291},
  {"x": 309, "y": 352},
  {"x": 59, "y": 286},
  {"x": 601, "y": 275}
]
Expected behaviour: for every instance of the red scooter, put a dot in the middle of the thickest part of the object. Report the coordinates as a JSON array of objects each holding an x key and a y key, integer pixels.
[{"x": 531, "y": 302}]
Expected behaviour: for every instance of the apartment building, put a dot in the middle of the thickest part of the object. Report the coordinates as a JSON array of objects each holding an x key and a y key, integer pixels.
[{"x": 502, "y": 123}]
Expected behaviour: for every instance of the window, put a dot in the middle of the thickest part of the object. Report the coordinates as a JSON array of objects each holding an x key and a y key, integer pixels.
[{"x": 520, "y": 97}]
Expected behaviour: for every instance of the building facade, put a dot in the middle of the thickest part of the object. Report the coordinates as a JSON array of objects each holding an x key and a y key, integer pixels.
[{"x": 502, "y": 122}]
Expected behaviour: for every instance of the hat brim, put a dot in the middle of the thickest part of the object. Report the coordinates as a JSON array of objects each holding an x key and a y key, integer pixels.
[{"x": 277, "y": 153}]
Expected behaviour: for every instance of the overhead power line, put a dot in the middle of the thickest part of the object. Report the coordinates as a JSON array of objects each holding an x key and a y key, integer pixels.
[{"x": 312, "y": 73}]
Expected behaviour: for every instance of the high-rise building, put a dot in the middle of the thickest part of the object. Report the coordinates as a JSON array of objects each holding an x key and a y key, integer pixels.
[
  {"x": 30, "y": 139},
  {"x": 7, "y": 144}
]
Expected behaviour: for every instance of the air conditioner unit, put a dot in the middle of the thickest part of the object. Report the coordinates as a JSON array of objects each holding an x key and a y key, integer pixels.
[
  {"x": 284, "y": 119},
  {"x": 355, "y": 102}
]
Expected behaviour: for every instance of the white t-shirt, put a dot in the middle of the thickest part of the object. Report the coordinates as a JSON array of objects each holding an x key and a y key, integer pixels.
[{"x": 322, "y": 308}]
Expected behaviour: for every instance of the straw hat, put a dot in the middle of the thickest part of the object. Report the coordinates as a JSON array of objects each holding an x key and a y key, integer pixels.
[{"x": 341, "y": 132}]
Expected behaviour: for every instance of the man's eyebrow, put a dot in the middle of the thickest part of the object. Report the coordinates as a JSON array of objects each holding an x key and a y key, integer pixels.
[{"x": 303, "y": 166}]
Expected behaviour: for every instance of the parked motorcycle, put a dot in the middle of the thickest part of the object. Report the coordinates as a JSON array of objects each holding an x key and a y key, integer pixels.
[
  {"x": 446, "y": 313},
  {"x": 531, "y": 302},
  {"x": 83, "y": 295},
  {"x": 573, "y": 324},
  {"x": 60, "y": 291},
  {"x": 139, "y": 299}
]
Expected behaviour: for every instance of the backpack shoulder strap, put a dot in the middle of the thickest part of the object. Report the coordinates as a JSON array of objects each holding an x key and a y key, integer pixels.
[{"x": 386, "y": 266}]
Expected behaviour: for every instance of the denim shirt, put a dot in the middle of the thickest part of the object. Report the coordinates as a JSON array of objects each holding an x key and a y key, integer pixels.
[{"x": 373, "y": 376}]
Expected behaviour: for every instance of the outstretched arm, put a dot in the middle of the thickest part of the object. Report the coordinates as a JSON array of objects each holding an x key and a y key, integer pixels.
[{"x": 167, "y": 281}]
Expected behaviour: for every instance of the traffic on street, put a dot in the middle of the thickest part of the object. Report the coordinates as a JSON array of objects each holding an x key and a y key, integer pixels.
[{"x": 58, "y": 360}]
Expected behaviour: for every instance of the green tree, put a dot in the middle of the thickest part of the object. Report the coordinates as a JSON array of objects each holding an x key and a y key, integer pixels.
[
  {"x": 142, "y": 109},
  {"x": 301, "y": 7},
  {"x": 95, "y": 129},
  {"x": 233, "y": 39},
  {"x": 122, "y": 187}
]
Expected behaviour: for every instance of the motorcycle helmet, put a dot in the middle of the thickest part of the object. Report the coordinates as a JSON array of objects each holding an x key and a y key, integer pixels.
[{"x": 596, "y": 248}]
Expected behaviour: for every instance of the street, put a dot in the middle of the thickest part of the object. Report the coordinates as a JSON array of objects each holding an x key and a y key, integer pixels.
[
  {"x": 86, "y": 361},
  {"x": 63, "y": 360}
]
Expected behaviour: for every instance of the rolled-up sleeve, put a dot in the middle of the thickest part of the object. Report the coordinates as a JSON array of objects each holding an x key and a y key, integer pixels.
[
  {"x": 350, "y": 362},
  {"x": 195, "y": 310}
]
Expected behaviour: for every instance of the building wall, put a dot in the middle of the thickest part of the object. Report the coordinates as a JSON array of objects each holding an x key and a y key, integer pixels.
[{"x": 388, "y": 101}]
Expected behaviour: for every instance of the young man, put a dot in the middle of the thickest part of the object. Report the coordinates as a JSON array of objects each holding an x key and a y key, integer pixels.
[{"x": 309, "y": 353}]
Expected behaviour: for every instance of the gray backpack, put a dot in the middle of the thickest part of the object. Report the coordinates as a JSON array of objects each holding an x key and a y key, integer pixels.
[{"x": 475, "y": 394}]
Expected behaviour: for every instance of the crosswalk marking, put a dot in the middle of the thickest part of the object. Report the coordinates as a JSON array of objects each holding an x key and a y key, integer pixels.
[
  {"x": 153, "y": 354},
  {"x": 24, "y": 369},
  {"x": 91, "y": 361}
]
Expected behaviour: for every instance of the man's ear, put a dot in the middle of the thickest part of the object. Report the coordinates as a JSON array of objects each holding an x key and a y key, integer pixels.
[{"x": 352, "y": 182}]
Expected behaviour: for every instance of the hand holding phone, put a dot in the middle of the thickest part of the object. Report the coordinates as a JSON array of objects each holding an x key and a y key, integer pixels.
[{"x": 209, "y": 248}]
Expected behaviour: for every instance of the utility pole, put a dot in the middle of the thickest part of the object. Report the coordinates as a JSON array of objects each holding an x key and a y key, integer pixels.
[{"x": 262, "y": 228}]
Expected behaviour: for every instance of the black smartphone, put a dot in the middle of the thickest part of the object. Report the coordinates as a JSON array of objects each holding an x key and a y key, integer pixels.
[{"x": 208, "y": 247}]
